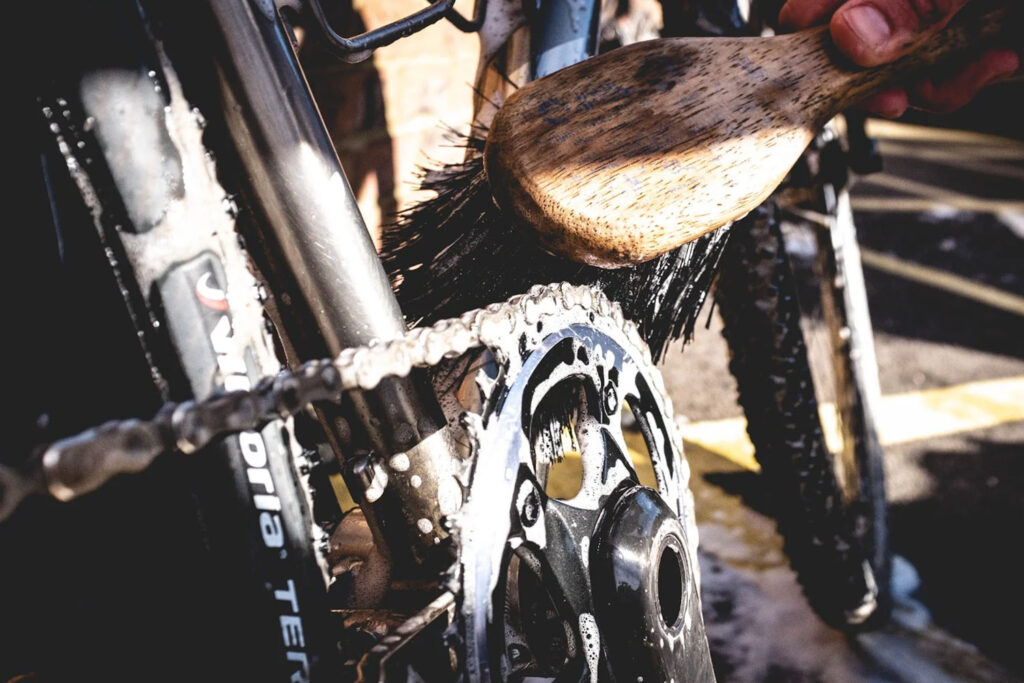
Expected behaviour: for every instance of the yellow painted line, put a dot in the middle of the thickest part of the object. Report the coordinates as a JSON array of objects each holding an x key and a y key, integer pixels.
[
  {"x": 727, "y": 438},
  {"x": 950, "y": 410},
  {"x": 894, "y": 130},
  {"x": 902, "y": 418},
  {"x": 961, "y": 286},
  {"x": 922, "y": 205}
]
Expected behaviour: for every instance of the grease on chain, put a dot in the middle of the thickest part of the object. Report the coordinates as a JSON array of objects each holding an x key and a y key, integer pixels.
[{"x": 82, "y": 463}]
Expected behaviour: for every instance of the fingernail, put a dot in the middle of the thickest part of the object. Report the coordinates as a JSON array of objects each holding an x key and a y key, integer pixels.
[{"x": 869, "y": 25}]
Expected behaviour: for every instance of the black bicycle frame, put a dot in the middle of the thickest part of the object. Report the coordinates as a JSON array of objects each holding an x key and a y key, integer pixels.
[{"x": 310, "y": 210}]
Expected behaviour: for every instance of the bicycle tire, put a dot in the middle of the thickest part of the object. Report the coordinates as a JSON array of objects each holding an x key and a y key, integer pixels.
[
  {"x": 858, "y": 395},
  {"x": 216, "y": 571},
  {"x": 843, "y": 570}
]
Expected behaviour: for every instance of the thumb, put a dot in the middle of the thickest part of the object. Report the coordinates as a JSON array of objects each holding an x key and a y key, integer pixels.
[{"x": 873, "y": 32}]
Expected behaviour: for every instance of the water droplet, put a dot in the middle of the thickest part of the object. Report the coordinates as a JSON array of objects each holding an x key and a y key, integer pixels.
[
  {"x": 399, "y": 462},
  {"x": 449, "y": 496}
]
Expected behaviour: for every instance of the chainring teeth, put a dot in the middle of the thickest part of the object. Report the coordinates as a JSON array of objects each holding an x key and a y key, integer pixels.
[{"x": 513, "y": 333}]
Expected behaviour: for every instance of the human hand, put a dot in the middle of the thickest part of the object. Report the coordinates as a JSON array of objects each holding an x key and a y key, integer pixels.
[{"x": 873, "y": 32}]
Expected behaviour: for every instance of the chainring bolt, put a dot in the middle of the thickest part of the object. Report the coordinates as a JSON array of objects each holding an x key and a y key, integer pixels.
[
  {"x": 518, "y": 654},
  {"x": 531, "y": 509},
  {"x": 611, "y": 399}
]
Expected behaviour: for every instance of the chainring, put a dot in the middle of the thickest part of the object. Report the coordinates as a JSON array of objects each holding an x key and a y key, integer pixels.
[{"x": 550, "y": 387}]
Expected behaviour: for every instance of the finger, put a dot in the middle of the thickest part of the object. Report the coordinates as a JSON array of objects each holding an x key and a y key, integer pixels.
[
  {"x": 891, "y": 104},
  {"x": 797, "y": 14},
  {"x": 873, "y": 32},
  {"x": 955, "y": 92}
]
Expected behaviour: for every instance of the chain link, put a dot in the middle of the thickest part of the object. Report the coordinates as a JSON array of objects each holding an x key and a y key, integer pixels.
[{"x": 82, "y": 463}]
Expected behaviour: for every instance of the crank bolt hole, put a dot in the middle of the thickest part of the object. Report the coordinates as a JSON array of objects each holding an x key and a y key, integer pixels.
[
  {"x": 531, "y": 509},
  {"x": 611, "y": 399},
  {"x": 518, "y": 654},
  {"x": 670, "y": 586}
]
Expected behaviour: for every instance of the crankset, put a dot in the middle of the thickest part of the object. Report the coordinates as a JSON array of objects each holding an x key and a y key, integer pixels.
[
  {"x": 576, "y": 560},
  {"x": 570, "y": 568}
]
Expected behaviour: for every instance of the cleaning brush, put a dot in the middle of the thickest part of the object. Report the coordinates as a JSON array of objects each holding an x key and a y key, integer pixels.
[
  {"x": 633, "y": 161},
  {"x": 457, "y": 250}
]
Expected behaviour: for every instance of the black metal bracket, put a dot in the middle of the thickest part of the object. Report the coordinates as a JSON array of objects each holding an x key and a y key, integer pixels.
[
  {"x": 357, "y": 48},
  {"x": 469, "y": 25}
]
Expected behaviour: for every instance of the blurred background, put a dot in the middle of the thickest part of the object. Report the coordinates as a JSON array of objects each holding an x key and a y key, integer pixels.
[{"x": 941, "y": 228}]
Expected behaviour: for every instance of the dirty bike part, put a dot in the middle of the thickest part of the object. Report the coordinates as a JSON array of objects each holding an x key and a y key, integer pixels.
[
  {"x": 359, "y": 48},
  {"x": 542, "y": 571},
  {"x": 136, "y": 202},
  {"x": 839, "y": 555},
  {"x": 628, "y": 155},
  {"x": 469, "y": 25},
  {"x": 459, "y": 236},
  {"x": 858, "y": 394},
  {"x": 300, "y": 187},
  {"x": 82, "y": 463},
  {"x": 166, "y": 228},
  {"x": 845, "y": 362},
  {"x": 542, "y": 342}
]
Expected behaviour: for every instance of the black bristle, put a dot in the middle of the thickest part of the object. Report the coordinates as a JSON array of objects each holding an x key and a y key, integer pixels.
[{"x": 457, "y": 251}]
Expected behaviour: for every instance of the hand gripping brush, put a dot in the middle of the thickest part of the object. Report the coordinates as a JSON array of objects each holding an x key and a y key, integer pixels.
[{"x": 617, "y": 171}]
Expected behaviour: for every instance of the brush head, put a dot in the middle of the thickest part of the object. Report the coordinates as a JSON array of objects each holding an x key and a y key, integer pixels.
[
  {"x": 627, "y": 155},
  {"x": 630, "y": 154},
  {"x": 457, "y": 250}
]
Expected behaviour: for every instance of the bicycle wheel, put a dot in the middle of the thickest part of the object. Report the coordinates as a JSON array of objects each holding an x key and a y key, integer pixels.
[
  {"x": 830, "y": 511},
  {"x": 859, "y": 457}
]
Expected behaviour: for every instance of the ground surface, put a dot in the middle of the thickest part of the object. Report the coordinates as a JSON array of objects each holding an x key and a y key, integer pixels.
[{"x": 947, "y": 204}]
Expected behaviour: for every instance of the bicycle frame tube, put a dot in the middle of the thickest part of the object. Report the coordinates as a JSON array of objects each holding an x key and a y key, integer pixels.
[
  {"x": 300, "y": 183},
  {"x": 309, "y": 207},
  {"x": 563, "y": 33}
]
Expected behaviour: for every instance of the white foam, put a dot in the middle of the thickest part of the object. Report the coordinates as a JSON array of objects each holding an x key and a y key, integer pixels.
[{"x": 591, "y": 643}]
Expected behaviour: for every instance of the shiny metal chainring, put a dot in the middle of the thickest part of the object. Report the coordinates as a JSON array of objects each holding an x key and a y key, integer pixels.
[{"x": 552, "y": 387}]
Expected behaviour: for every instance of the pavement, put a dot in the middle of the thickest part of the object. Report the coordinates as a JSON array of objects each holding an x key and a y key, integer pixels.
[{"x": 942, "y": 232}]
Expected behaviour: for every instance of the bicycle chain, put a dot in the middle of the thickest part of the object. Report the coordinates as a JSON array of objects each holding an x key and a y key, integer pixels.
[{"x": 82, "y": 463}]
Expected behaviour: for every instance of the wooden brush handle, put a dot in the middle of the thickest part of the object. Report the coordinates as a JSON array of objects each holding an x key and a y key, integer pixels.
[
  {"x": 967, "y": 33},
  {"x": 628, "y": 155}
]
